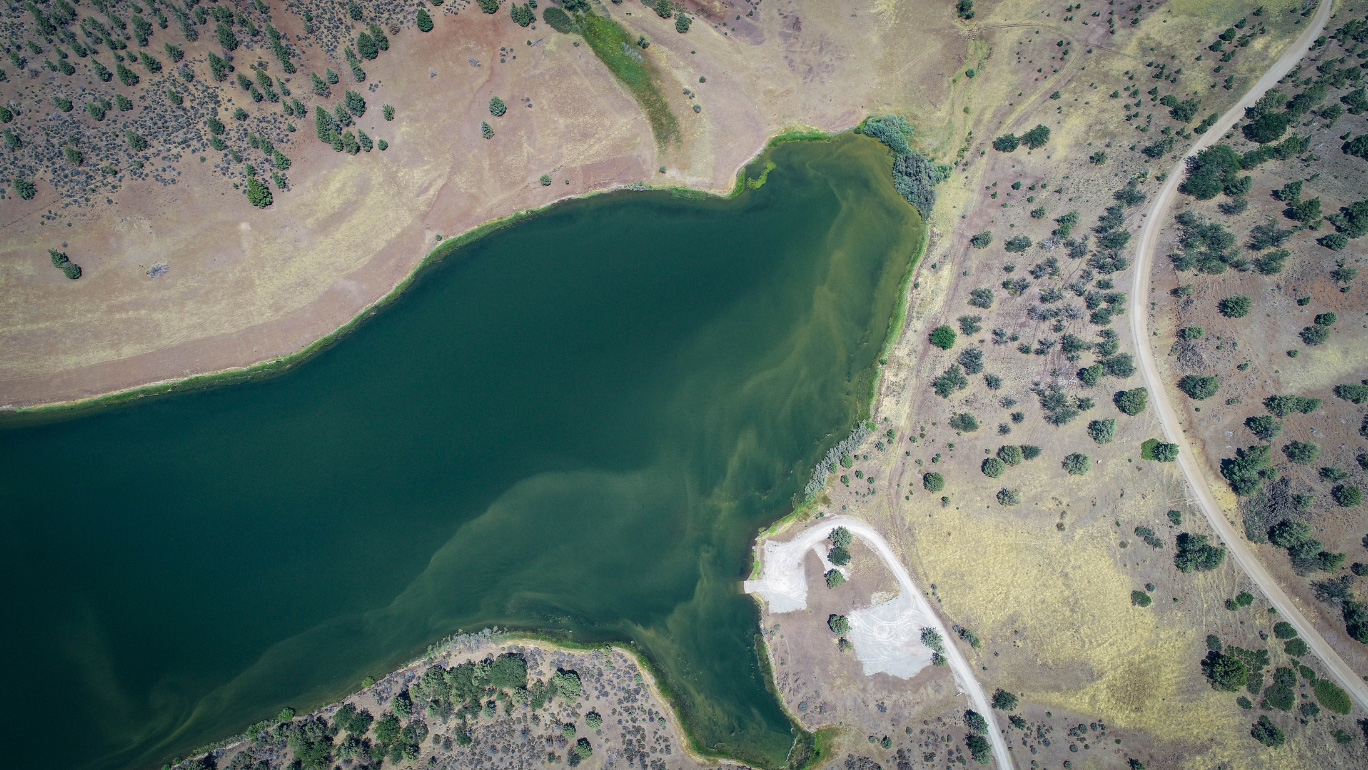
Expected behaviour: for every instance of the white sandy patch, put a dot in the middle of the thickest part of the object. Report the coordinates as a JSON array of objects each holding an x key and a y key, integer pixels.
[{"x": 887, "y": 638}]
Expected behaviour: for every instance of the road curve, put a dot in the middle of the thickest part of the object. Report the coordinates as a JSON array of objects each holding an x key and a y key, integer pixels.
[
  {"x": 964, "y": 673},
  {"x": 1187, "y": 458}
]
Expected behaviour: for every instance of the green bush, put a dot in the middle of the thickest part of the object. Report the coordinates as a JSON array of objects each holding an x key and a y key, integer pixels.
[
  {"x": 558, "y": 19},
  {"x": 1282, "y": 406},
  {"x": 497, "y": 107},
  {"x": 1195, "y": 553},
  {"x": 522, "y": 15},
  {"x": 1234, "y": 307},
  {"x": 834, "y": 578},
  {"x": 978, "y": 748},
  {"x": 965, "y": 422},
  {"x": 951, "y": 380},
  {"x": 1036, "y": 137},
  {"x": 1006, "y": 143},
  {"x": 1314, "y": 335},
  {"x": 1347, "y": 495},
  {"x": 258, "y": 194},
  {"x": 682, "y": 23},
  {"x": 24, "y": 188},
  {"x": 1354, "y": 394},
  {"x": 1076, "y": 464},
  {"x": 838, "y": 555},
  {"x": 1197, "y": 387},
  {"x": 1131, "y": 402},
  {"x": 838, "y": 624},
  {"x": 982, "y": 240},
  {"x": 1102, "y": 431},
  {"x": 943, "y": 337},
  {"x": 1295, "y": 647},
  {"x": 1010, "y": 454},
  {"x": 1225, "y": 672},
  {"x": 1267, "y": 733},
  {"x": 1017, "y": 244},
  {"x": 1301, "y": 452},
  {"x": 1331, "y": 696},
  {"x": 1004, "y": 701},
  {"x": 992, "y": 467},
  {"x": 485, "y": 130},
  {"x": 355, "y": 104},
  {"x": 1264, "y": 427},
  {"x": 425, "y": 21},
  {"x": 933, "y": 482},
  {"x": 1029, "y": 451},
  {"x": 1164, "y": 453},
  {"x": 1009, "y": 497},
  {"x": 1141, "y": 599}
]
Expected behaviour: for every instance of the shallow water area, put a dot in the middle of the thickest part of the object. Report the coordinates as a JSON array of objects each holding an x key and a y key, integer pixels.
[{"x": 575, "y": 424}]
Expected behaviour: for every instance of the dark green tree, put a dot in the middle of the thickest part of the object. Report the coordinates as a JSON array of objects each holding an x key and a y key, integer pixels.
[{"x": 943, "y": 337}]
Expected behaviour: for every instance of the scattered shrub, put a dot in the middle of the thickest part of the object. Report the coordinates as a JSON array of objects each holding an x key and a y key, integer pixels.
[
  {"x": 1194, "y": 553},
  {"x": 1234, "y": 307},
  {"x": 943, "y": 337},
  {"x": 1131, "y": 402},
  {"x": 1076, "y": 464},
  {"x": 1198, "y": 388}
]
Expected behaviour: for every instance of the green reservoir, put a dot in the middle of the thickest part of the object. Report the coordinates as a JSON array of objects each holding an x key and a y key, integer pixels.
[{"x": 575, "y": 424}]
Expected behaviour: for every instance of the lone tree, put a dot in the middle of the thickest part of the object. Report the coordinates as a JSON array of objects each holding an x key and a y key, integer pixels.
[
  {"x": 1036, "y": 137},
  {"x": 1194, "y": 553},
  {"x": 1006, "y": 143},
  {"x": 933, "y": 482},
  {"x": 1004, "y": 701},
  {"x": 1102, "y": 431},
  {"x": 1234, "y": 307},
  {"x": 1197, "y": 387},
  {"x": 497, "y": 107},
  {"x": 838, "y": 624},
  {"x": 1076, "y": 464},
  {"x": 258, "y": 194},
  {"x": 1225, "y": 672},
  {"x": 1267, "y": 733},
  {"x": 943, "y": 337},
  {"x": 425, "y": 21}
]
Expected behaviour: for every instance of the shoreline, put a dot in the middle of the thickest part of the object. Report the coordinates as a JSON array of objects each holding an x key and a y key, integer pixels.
[
  {"x": 41, "y": 412},
  {"x": 492, "y": 638}
]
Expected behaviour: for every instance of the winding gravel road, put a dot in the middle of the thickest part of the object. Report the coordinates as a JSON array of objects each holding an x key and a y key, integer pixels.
[
  {"x": 779, "y": 579},
  {"x": 1187, "y": 458}
]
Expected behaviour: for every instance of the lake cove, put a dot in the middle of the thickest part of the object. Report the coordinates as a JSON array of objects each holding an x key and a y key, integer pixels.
[{"x": 573, "y": 425}]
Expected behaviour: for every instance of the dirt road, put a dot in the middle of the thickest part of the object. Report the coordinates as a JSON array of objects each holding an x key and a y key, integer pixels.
[
  {"x": 778, "y": 580},
  {"x": 1187, "y": 458}
]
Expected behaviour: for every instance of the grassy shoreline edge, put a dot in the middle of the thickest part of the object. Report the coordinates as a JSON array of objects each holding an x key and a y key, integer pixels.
[{"x": 12, "y": 416}]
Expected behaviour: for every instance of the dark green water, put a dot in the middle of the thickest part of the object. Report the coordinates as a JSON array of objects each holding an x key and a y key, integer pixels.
[{"x": 577, "y": 423}]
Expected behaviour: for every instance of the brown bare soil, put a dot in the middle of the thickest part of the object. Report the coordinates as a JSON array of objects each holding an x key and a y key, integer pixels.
[
  {"x": 246, "y": 286},
  {"x": 1047, "y": 583}
]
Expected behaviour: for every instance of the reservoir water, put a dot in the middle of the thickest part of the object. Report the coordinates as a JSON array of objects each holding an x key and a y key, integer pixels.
[{"x": 575, "y": 424}]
